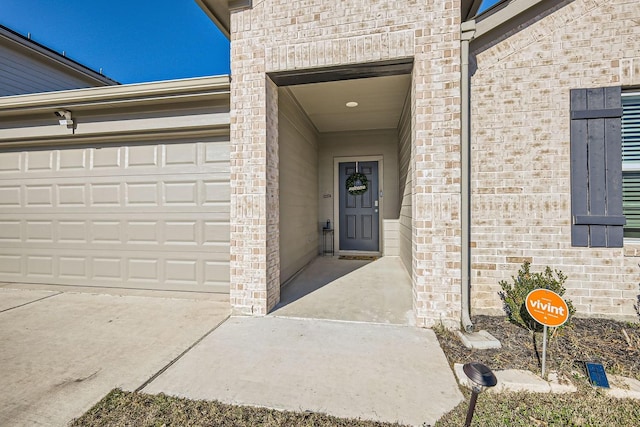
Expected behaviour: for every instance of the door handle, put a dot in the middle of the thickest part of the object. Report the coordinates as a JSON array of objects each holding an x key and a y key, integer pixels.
[{"x": 375, "y": 203}]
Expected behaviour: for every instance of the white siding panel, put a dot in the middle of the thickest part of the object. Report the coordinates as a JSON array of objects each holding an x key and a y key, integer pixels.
[
  {"x": 145, "y": 216},
  {"x": 406, "y": 192}
]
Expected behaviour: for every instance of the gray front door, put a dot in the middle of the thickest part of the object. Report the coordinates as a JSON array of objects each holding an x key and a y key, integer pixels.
[{"x": 359, "y": 214}]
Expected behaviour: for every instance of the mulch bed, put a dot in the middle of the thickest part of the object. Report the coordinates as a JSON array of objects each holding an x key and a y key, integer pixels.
[{"x": 614, "y": 344}]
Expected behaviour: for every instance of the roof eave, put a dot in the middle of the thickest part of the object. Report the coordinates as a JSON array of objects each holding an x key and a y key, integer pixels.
[
  {"x": 219, "y": 11},
  {"x": 504, "y": 12},
  {"x": 470, "y": 8}
]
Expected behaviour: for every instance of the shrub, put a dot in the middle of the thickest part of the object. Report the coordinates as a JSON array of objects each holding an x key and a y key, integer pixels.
[{"x": 513, "y": 294}]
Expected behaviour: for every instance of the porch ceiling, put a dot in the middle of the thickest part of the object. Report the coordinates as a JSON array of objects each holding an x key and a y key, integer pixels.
[{"x": 380, "y": 101}]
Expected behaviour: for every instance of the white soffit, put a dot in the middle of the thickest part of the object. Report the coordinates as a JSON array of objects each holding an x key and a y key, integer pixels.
[{"x": 380, "y": 101}]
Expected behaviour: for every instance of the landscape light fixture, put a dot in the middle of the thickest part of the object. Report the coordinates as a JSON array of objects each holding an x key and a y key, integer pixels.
[
  {"x": 482, "y": 378},
  {"x": 64, "y": 118}
]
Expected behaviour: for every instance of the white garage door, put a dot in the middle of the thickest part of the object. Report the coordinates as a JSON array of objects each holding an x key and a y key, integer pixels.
[{"x": 137, "y": 216}]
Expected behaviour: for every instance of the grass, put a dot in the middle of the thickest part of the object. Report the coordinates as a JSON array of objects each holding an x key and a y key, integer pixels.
[
  {"x": 586, "y": 407},
  {"x": 120, "y": 409},
  {"x": 616, "y": 344}
]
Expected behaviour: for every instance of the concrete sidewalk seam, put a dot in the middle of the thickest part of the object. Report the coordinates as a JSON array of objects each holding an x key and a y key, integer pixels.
[
  {"x": 30, "y": 302},
  {"x": 180, "y": 356}
]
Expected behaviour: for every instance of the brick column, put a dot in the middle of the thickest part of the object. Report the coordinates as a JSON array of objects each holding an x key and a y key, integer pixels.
[
  {"x": 255, "y": 255},
  {"x": 436, "y": 192}
]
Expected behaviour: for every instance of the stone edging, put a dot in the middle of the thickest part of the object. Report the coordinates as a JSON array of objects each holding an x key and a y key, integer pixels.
[{"x": 515, "y": 380}]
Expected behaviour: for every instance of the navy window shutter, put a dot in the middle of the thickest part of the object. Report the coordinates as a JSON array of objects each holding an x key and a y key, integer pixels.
[{"x": 596, "y": 168}]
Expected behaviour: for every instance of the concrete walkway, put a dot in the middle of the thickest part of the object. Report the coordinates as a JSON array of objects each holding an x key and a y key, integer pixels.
[
  {"x": 62, "y": 351},
  {"x": 356, "y": 370},
  {"x": 65, "y": 348},
  {"x": 352, "y": 290}
]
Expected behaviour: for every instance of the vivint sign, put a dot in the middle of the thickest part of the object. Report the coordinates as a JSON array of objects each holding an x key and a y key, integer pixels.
[{"x": 547, "y": 307}]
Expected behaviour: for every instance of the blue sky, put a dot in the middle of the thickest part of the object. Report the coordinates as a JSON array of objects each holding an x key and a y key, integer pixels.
[{"x": 131, "y": 40}]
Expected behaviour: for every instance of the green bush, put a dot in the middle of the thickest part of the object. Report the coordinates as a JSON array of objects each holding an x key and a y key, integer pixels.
[{"x": 513, "y": 294}]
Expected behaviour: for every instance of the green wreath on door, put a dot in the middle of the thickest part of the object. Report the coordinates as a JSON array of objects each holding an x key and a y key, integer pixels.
[{"x": 357, "y": 184}]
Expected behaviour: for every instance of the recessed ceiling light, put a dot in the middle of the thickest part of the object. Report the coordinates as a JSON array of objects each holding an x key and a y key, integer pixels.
[{"x": 351, "y": 104}]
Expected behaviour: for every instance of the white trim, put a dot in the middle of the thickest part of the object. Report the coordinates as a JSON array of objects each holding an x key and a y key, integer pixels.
[{"x": 336, "y": 202}]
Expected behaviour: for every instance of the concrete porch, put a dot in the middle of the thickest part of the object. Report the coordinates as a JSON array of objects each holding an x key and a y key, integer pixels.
[{"x": 349, "y": 290}]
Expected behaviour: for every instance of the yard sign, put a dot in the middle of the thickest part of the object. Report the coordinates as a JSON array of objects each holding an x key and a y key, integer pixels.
[{"x": 549, "y": 309}]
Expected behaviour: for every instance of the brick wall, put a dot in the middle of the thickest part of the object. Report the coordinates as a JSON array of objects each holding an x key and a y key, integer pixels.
[
  {"x": 521, "y": 206},
  {"x": 279, "y": 35}
]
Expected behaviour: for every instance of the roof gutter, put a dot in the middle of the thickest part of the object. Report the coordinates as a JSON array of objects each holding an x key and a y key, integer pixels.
[{"x": 132, "y": 94}]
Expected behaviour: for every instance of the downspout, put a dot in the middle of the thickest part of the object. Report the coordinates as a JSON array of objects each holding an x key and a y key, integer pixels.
[{"x": 467, "y": 33}]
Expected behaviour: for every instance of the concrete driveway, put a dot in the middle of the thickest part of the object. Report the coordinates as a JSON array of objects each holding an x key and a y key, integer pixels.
[{"x": 61, "y": 351}]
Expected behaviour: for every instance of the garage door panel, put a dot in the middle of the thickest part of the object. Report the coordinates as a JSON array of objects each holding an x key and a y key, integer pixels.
[
  {"x": 38, "y": 232},
  {"x": 177, "y": 155},
  {"x": 142, "y": 194},
  {"x": 148, "y": 216},
  {"x": 10, "y": 231},
  {"x": 142, "y": 156},
  {"x": 40, "y": 161},
  {"x": 188, "y": 271},
  {"x": 133, "y": 191},
  {"x": 38, "y": 195},
  {"x": 106, "y": 158},
  {"x": 72, "y": 195},
  {"x": 180, "y": 232},
  {"x": 107, "y": 269},
  {"x": 72, "y": 159},
  {"x": 40, "y": 265},
  {"x": 10, "y": 266},
  {"x": 162, "y": 159},
  {"x": 72, "y": 267},
  {"x": 10, "y": 163},
  {"x": 10, "y": 196}
]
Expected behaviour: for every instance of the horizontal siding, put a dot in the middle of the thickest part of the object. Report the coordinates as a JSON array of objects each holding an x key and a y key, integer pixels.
[
  {"x": 405, "y": 174},
  {"x": 21, "y": 73},
  {"x": 298, "y": 153}
]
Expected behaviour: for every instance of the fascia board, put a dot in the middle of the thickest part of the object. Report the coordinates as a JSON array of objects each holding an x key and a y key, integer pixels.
[
  {"x": 484, "y": 25},
  {"x": 218, "y": 11},
  {"x": 134, "y": 94}
]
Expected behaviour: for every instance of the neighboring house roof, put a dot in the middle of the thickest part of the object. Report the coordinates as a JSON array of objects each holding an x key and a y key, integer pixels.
[{"x": 29, "y": 67}]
